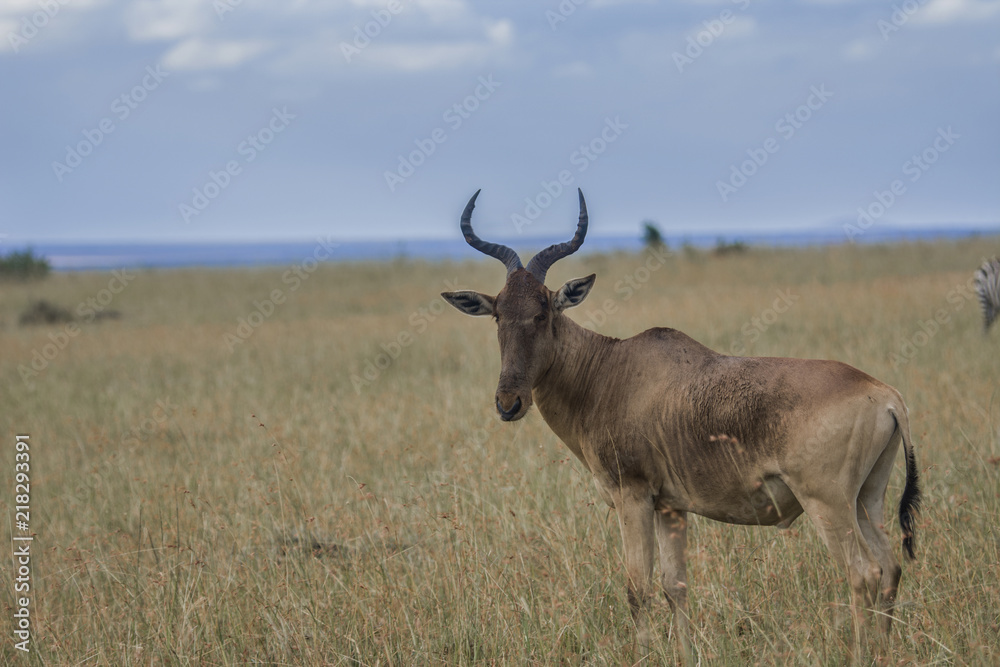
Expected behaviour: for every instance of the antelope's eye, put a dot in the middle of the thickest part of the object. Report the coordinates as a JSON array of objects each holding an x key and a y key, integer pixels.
[{"x": 541, "y": 317}]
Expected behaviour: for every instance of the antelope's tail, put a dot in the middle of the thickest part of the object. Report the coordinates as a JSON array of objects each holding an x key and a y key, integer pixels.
[{"x": 909, "y": 503}]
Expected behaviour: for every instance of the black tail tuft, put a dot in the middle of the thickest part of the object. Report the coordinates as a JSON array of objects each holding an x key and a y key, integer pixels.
[{"x": 909, "y": 504}]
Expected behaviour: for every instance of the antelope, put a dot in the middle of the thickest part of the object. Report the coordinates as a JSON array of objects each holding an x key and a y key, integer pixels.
[{"x": 669, "y": 427}]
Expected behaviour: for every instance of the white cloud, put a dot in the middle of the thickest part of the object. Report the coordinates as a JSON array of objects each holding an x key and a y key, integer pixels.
[
  {"x": 951, "y": 11},
  {"x": 442, "y": 10},
  {"x": 415, "y": 57},
  {"x": 8, "y": 27},
  {"x": 501, "y": 32},
  {"x": 422, "y": 57},
  {"x": 200, "y": 54},
  {"x": 740, "y": 26},
  {"x": 612, "y": 3},
  {"x": 17, "y": 7},
  {"x": 436, "y": 10},
  {"x": 28, "y": 7},
  {"x": 150, "y": 20},
  {"x": 859, "y": 49},
  {"x": 15, "y": 15}
]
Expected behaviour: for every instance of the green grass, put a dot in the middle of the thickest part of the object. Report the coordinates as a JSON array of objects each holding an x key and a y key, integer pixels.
[{"x": 271, "y": 504}]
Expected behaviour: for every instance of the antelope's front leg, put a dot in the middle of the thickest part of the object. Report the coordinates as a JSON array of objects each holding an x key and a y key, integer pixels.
[
  {"x": 635, "y": 518},
  {"x": 671, "y": 536}
]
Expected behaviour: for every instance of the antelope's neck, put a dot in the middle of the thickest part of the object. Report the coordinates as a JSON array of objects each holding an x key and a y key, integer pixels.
[{"x": 568, "y": 389}]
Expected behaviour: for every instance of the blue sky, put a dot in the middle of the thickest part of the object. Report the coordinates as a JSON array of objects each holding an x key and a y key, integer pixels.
[{"x": 246, "y": 121}]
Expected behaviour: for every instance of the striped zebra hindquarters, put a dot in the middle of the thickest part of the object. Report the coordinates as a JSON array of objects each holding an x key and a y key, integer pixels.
[{"x": 987, "y": 283}]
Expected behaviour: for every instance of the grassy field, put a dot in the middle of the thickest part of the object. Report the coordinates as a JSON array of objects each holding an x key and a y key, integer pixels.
[{"x": 303, "y": 465}]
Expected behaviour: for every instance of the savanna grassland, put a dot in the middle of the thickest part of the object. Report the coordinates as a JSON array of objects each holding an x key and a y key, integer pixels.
[{"x": 334, "y": 487}]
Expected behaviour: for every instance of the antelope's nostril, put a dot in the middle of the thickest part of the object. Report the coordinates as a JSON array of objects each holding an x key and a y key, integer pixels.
[{"x": 507, "y": 415}]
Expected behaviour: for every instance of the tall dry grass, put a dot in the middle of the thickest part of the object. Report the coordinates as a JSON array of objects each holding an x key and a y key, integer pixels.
[{"x": 270, "y": 504}]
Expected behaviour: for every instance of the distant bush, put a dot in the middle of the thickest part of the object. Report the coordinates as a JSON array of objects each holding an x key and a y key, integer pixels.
[
  {"x": 723, "y": 247},
  {"x": 689, "y": 249},
  {"x": 652, "y": 237},
  {"x": 23, "y": 266},
  {"x": 43, "y": 312}
]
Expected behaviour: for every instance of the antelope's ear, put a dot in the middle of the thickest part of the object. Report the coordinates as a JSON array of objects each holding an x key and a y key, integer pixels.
[
  {"x": 574, "y": 292},
  {"x": 470, "y": 303}
]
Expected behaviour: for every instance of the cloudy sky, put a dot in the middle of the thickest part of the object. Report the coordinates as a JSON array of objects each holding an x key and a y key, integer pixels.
[{"x": 248, "y": 120}]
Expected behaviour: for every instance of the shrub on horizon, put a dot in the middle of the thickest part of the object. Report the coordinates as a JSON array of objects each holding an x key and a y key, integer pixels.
[{"x": 23, "y": 265}]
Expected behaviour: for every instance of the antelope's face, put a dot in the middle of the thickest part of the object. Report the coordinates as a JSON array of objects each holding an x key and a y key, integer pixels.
[{"x": 526, "y": 313}]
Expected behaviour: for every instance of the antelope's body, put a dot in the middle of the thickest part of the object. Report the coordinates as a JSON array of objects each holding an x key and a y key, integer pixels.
[
  {"x": 668, "y": 426},
  {"x": 708, "y": 433}
]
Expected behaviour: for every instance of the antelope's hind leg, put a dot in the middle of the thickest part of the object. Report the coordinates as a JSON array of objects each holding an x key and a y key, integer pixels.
[
  {"x": 837, "y": 525},
  {"x": 871, "y": 503}
]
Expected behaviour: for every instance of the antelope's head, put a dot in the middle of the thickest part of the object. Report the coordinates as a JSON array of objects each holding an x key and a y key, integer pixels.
[{"x": 526, "y": 312}]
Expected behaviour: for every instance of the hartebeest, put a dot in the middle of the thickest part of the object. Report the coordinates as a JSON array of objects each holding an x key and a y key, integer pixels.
[{"x": 668, "y": 426}]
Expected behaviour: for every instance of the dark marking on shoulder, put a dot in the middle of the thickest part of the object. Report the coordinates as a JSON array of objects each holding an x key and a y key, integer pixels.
[{"x": 747, "y": 403}]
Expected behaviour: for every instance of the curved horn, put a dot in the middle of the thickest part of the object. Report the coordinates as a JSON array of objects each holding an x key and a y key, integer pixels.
[
  {"x": 541, "y": 262},
  {"x": 501, "y": 252}
]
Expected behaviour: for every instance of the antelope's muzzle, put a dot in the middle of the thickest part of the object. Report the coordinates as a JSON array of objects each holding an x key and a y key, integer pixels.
[{"x": 508, "y": 415}]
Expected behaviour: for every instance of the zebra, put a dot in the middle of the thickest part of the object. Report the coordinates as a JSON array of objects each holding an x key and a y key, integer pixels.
[{"x": 987, "y": 283}]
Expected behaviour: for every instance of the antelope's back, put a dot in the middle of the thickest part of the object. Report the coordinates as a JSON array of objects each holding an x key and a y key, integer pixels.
[{"x": 706, "y": 411}]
